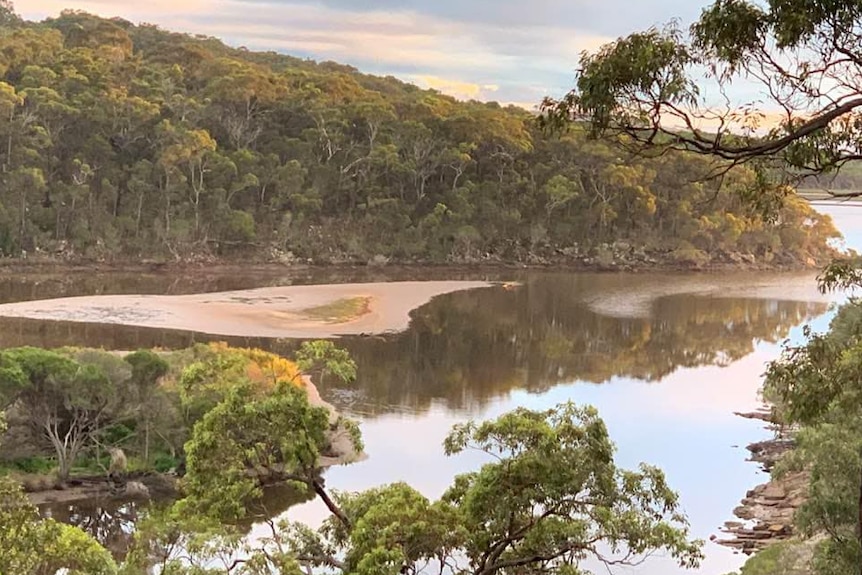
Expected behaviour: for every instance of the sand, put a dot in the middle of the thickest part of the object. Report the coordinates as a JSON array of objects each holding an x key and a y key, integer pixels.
[{"x": 265, "y": 312}]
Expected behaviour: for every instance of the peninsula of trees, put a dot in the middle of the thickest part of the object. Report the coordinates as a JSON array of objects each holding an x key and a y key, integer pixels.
[{"x": 127, "y": 141}]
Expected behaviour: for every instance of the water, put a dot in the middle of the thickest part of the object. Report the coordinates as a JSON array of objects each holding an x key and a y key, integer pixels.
[{"x": 667, "y": 359}]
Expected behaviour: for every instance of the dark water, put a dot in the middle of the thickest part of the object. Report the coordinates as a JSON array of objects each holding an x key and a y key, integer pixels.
[{"x": 667, "y": 358}]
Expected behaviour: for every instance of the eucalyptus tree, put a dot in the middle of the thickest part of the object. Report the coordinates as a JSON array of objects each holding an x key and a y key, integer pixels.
[{"x": 805, "y": 56}]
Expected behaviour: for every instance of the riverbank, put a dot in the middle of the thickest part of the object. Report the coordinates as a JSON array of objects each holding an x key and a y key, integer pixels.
[
  {"x": 617, "y": 257},
  {"x": 765, "y": 514}
]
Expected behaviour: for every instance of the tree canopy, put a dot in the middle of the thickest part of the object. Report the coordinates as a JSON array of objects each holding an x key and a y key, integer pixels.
[
  {"x": 549, "y": 497},
  {"x": 30, "y": 545},
  {"x": 128, "y": 141}
]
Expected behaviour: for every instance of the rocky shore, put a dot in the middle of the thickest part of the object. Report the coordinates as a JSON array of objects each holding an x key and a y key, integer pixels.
[
  {"x": 614, "y": 256},
  {"x": 765, "y": 515}
]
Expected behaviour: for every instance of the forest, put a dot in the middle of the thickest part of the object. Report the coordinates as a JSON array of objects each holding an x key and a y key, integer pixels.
[{"x": 123, "y": 142}]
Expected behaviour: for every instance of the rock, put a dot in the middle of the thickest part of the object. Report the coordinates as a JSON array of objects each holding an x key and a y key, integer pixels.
[
  {"x": 605, "y": 255},
  {"x": 772, "y": 505},
  {"x": 137, "y": 489},
  {"x": 773, "y": 492},
  {"x": 378, "y": 261}
]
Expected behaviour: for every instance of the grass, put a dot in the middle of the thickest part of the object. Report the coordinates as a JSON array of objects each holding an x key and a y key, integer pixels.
[
  {"x": 28, "y": 465},
  {"x": 339, "y": 311}
]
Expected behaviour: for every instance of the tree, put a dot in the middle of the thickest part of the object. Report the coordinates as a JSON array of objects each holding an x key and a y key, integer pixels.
[
  {"x": 245, "y": 439},
  {"x": 549, "y": 497},
  {"x": 66, "y": 402},
  {"x": 148, "y": 368},
  {"x": 804, "y": 54},
  {"x": 30, "y": 545},
  {"x": 185, "y": 147},
  {"x": 816, "y": 386},
  {"x": 321, "y": 358},
  {"x": 8, "y": 17}
]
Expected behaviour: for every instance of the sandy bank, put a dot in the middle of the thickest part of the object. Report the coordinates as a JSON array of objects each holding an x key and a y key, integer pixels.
[{"x": 288, "y": 311}]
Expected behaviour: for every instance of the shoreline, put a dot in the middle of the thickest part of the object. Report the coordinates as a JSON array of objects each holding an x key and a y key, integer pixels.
[
  {"x": 41, "y": 264},
  {"x": 765, "y": 514}
]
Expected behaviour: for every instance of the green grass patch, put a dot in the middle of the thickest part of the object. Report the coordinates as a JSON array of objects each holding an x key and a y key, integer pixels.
[
  {"x": 30, "y": 465},
  {"x": 339, "y": 311}
]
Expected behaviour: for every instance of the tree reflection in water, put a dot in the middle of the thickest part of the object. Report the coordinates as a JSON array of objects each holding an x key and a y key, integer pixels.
[
  {"x": 464, "y": 349},
  {"x": 110, "y": 521}
]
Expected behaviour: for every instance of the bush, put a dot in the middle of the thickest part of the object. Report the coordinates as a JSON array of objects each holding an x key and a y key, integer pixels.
[
  {"x": 690, "y": 256},
  {"x": 164, "y": 462},
  {"x": 32, "y": 465}
]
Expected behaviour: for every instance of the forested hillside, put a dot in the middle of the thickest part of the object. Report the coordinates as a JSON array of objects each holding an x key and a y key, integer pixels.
[{"x": 127, "y": 141}]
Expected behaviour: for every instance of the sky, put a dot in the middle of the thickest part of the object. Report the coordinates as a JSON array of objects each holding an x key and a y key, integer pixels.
[{"x": 511, "y": 51}]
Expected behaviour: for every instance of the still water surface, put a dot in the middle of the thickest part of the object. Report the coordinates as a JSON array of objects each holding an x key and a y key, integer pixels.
[{"x": 667, "y": 359}]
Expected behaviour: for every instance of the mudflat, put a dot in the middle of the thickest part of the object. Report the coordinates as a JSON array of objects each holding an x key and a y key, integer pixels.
[{"x": 307, "y": 311}]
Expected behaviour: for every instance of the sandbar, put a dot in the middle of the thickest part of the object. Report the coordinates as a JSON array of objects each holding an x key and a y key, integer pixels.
[{"x": 277, "y": 312}]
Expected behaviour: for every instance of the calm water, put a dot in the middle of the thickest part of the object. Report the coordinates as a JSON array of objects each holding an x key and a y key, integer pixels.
[{"x": 667, "y": 359}]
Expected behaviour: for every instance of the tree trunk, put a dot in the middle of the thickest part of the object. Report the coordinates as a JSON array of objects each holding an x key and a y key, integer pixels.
[
  {"x": 138, "y": 215},
  {"x": 147, "y": 443},
  {"x": 63, "y": 467},
  {"x": 330, "y": 504},
  {"x": 859, "y": 518}
]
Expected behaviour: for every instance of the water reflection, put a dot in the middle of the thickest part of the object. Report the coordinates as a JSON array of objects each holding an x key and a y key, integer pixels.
[
  {"x": 110, "y": 521},
  {"x": 464, "y": 349},
  {"x": 471, "y": 347}
]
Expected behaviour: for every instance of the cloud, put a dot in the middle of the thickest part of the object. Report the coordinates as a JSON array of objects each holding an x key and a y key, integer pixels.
[
  {"x": 457, "y": 88},
  {"x": 507, "y": 50}
]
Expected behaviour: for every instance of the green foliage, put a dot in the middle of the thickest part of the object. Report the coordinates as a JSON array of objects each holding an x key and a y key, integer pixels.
[
  {"x": 278, "y": 434},
  {"x": 34, "y": 464},
  {"x": 816, "y": 385},
  {"x": 339, "y": 311},
  {"x": 164, "y": 462},
  {"x": 123, "y": 141},
  {"x": 147, "y": 367},
  {"x": 782, "y": 558},
  {"x": 353, "y": 430},
  {"x": 68, "y": 402},
  {"x": 646, "y": 90},
  {"x": 549, "y": 497},
  {"x": 323, "y": 358},
  {"x": 30, "y": 545},
  {"x": 174, "y": 543}
]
